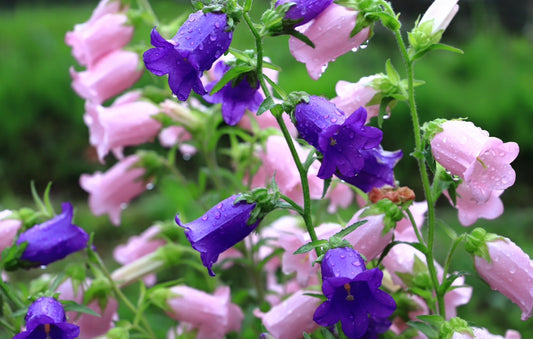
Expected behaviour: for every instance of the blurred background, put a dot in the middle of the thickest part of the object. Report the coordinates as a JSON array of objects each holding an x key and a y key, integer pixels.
[{"x": 43, "y": 137}]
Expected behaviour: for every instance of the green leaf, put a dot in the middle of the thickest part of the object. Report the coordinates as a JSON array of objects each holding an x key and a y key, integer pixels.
[
  {"x": 266, "y": 105},
  {"x": 327, "y": 183},
  {"x": 345, "y": 231},
  {"x": 72, "y": 306},
  {"x": 392, "y": 73},
  {"x": 301, "y": 37},
  {"x": 311, "y": 246},
  {"x": 230, "y": 75}
]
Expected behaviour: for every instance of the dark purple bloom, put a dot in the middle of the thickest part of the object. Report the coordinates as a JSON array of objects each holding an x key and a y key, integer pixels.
[
  {"x": 304, "y": 11},
  {"x": 353, "y": 295},
  {"x": 46, "y": 319},
  {"x": 220, "y": 228},
  {"x": 201, "y": 40},
  {"x": 377, "y": 171},
  {"x": 236, "y": 96},
  {"x": 52, "y": 240},
  {"x": 341, "y": 140}
]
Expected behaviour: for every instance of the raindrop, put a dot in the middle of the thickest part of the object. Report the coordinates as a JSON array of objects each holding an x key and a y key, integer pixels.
[
  {"x": 186, "y": 156},
  {"x": 333, "y": 120},
  {"x": 217, "y": 215},
  {"x": 43, "y": 267},
  {"x": 356, "y": 263},
  {"x": 219, "y": 206},
  {"x": 385, "y": 117},
  {"x": 512, "y": 270},
  {"x": 150, "y": 186},
  {"x": 123, "y": 206},
  {"x": 355, "y": 49},
  {"x": 364, "y": 45},
  {"x": 205, "y": 217},
  {"x": 212, "y": 37}
]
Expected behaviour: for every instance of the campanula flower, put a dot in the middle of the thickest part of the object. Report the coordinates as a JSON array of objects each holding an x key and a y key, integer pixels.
[
  {"x": 46, "y": 319},
  {"x": 469, "y": 210},
  {"x": 236, "y": 96},
  {"x": 201, "y": 40},
  {"x": 52, "y": 240},
  {"x": 303, "y": 11},
  {"x": 8, "y": 229},
  {"x": 351, "y": 96},
  {"x": 220, "y": 228},
  {"x": 441, "y": 12},
  {"x": 353, "y": 295}
]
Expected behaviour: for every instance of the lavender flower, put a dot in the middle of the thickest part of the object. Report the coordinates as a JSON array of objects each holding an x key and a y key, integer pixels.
[
  {"x": 353, "y": 295},
  {"x": 236, "y": 96},
  {"x": 46, "y": 319},
  {"x": 201, "y": 40},
  {"x": 220, "y": 228},
  {"x": 304, "y": 11},
  {"x": 52, "y": 240}
]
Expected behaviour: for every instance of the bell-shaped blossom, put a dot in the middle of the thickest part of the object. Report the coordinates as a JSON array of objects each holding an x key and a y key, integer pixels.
[
  {"x": 378, "y": 169},
  {"x": 335, "y": 21},
  {"x": 369, "y": 239},
  {"x": 351, "y": 96},
  {"x": 481, "y": 161},
  {"x": 339, "y": 195},
  {"x": 111, "y": 75},
  {"x": 95, "y": 38},
  {"x": 292, "y": 317},
  {"x": 201, "y": 40},
  {"x": 8, "y": 229},
  {"x": 91, "y": 326},
  {"x": 139, "y": 246},
  {"x": 220, "y": 228},
  {"x": 469, "y": 209},
  {"x": 338, "y": 138},
  {"x": 441, "y": 12},
  {"x": 214, "y": 315},
  {"x": 128, "y": 122},
  {"x": 277, "y": 162},
  {"x": 303, "y": 11},
  {"x": 46, "y": 319},
  {"x": 353, "y": 295},
  {"x": 53, "y": 240},
  {"x": 236, "y": 96},
  {"x": 483, "y": 333},
  {"x": 510, "y": 271},
  {"x": 177, "y": 135},
  {"x": 111, "y": 191}
]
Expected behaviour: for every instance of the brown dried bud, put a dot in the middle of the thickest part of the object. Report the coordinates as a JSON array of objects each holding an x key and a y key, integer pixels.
[{"x": 397, "y": 195}]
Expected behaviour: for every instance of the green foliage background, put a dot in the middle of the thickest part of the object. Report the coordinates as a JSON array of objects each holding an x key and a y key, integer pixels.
[{"x": 43, "y": 137}]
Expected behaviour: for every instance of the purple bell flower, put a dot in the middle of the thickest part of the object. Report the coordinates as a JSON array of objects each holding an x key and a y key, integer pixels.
[
  {"x": 341, "y": 140},
  {"x": 52, "y": 240},
  {"x": 235, "y": 97},
  {"x": 353, "y": 295},
  {"x": 304, "y": 10},
  {"x": 201, "y": 40},
  {"x": 220, "y": 228},
  {"x": 377, "y": 171},
  {"x": 46, "y": 319}
]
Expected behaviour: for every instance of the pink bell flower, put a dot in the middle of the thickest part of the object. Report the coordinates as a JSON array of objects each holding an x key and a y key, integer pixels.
[
  {"x": 339, "y": 195},
  {"x": 214, "y": 315},
  {"x": 469, "y": 209},
  {"x": 368, "y": 239},
  {"x": 483, "y": 333},
  {"x": 111, "y": 191},
  {"x": 8, "y": 229},
  {"x": 335, "y": 21},
  {"x": 111, "y": 75},
  {"x": 292, "y": 317},
  {"x": 441, "y": 12},
  {"x": 128, "y": 122},
  {"x": 510, "y": 272},
  {"x": 92, "y": 40},
  {"x": 481, "y": 161},
  {"x": 91, "y": 326},
  {"x": 351, "y": 96},
  {"x": 105, "y": 7}
]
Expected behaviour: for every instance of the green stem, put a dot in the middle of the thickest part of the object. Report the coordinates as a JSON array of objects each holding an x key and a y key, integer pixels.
[
  {"x": 456, "y": 243},
  {"x": 422, "y": 168},
  {"x": 415, "y": 227}
]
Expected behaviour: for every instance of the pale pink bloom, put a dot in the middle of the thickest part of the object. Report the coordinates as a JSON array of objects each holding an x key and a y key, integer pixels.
[
  {"x": 339, "y": 195},
  {"x": 266, "y": 120},
  {"x": 335, "y": 21},
  {"x": 139, "y": 246},
  {"x": 399, "y": 325},
  {"x": 278, "y": 162},
  {"x": 456, "y": 297},
  {"x": 510, "y": 272},
  {"x": 441, "y": 12},
  {"x": 368, "y": 239},
  {"x": 105, "y": 7},
  {"x": 351, "y": 96},
  {"x": 125, "y": 123},
  {"x": 291, "y": 318},
  {"x": 92, "y": 40},
  {"x": 481, "y": 161},
  {"x": 111, "y": 75},
  {"x": 483, "y": 333},
  {"x": 213, "y": 315},
  {"x": 90, "y": 326},
  {"x": 8, "y": 229},
  {"x": 469, "y": 209},
  {"x": 111, "y": 191},
  {"x": 180, "y": 113},
  {"x": 404, "y": 229},
  {"x": 177, "y": 135}
]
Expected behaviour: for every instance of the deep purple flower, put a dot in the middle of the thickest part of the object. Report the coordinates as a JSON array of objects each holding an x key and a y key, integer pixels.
[
  {"x": 341, "y": 140},
  {"x": 377, "y": 171},
  {"x": 235, "y": 97},
  {"x": 52, "y": 240},
  {"x": 304, "y": 11},
  {"x": 220, "y": 228},
  {"x": 201, "y": 40},
  {"x": 353, "y": 295},
  {"x": 46, "y": 319}
]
